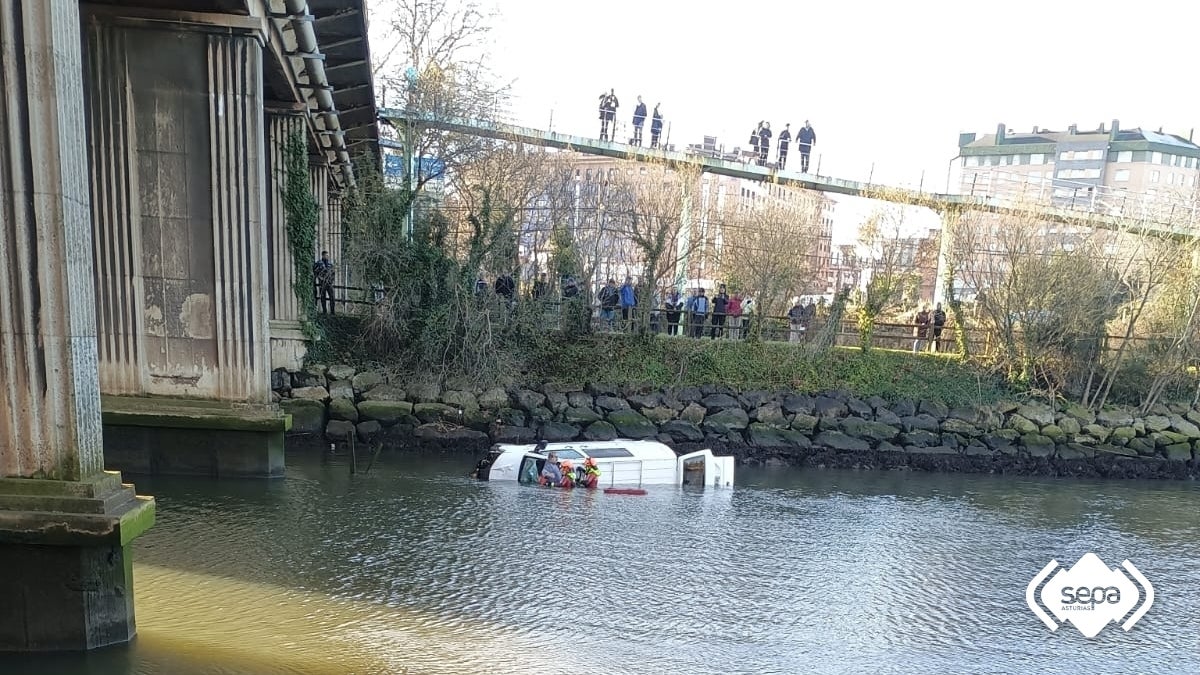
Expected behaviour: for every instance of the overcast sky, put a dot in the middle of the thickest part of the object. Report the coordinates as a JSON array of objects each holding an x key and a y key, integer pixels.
[{"x": 885, "y": 83}]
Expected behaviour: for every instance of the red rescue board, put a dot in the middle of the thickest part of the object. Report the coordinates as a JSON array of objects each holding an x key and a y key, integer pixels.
[{"x": 624, "y": 491}]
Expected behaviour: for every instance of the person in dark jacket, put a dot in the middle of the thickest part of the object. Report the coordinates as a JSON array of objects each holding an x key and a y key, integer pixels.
[
  {"x": 699, "y": 312},
  {"x": 639, "y": 119},
  {"x": 655, "y": 126},
  {"x": 764, "y": 143},
  {"x": 506, "y": 287},
  {"x": 720, "y": 303},
  {"x": 805, "y": 138},
  {"x": 673, "y": 305},
  {"x": 755, "y": 139},
  {"x": 785, "y": 138}
]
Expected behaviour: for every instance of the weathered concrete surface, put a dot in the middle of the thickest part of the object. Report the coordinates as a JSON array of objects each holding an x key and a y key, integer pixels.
[
  {"x": 185, "y": 437},
  {"x": 176, "y": 162},
  {"x": 65, "y": 526}
]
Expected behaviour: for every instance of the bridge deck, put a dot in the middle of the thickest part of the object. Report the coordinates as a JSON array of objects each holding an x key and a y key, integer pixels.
[{"x": 940, "y": 202}]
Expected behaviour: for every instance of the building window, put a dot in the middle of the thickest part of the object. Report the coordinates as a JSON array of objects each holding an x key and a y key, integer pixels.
[
  {"x": 1156, "y": 158},
  {"x": 971, "y": 161},
  {"x": 1179, "y": 179},
  {"x": 1153, "y": 176},
  {"x": 1191, "y": 162},
  {"x": 1121, "y": 176},
  {"x": 1170, "y": 179},
  {"x": 1035, "y": 175},
  {"x": 1125, "y": 156},
  {"x": 1037, "y": 158},
  {"x": 1067, "y": 155},
  {"x": 1192, "y": 180},
  {"x": 1091, "y": 173}
]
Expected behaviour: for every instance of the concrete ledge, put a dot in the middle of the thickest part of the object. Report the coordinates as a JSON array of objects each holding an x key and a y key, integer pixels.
[
  {"x": 133, "y": 411},
  {"x": 193, "y": 437},
  {"x": 47, "y": 512}
]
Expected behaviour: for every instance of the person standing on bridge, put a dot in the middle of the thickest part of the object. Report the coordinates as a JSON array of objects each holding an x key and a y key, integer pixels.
[
  {"x": 608, "y": 113},
  {"x": 764, "y": 143},
  {"x": 639, "y": 119},
  {"x": 755, "y": 138},
  {"x": 806, "y": 139},
  {"x": 655, "y": 126},
  {"x": 785, "y": 138}
]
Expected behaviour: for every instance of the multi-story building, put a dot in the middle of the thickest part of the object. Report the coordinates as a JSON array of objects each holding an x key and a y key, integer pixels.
[{"x": 1108, "y": 170}]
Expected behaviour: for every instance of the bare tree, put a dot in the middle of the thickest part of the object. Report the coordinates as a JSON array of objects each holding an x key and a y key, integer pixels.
[
  {"x": 890, "y": 269},
  {"x": 771, "y": 247}
]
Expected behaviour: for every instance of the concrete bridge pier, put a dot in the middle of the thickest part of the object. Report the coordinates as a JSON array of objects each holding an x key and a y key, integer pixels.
[
  {"x": 65, "y": 523},
  {"x": 180, "y": 190},
  {"x": 288, "y": 343}
]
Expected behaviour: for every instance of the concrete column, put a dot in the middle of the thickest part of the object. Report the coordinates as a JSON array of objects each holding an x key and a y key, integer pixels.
[
  {"x": 318, "y": 174},
  {"x": 179, "y": 174},
  {"x": 335, "y": 247},
  {"x": 288, "y": 345},
  {"x": 65, "y": 524}
]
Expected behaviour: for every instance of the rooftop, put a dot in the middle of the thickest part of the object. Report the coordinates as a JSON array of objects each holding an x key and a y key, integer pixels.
[{"x": 1111, "y": 134}]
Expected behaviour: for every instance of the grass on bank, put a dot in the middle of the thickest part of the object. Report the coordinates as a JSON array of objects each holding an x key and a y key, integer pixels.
[{"x": 660, "y": 361}]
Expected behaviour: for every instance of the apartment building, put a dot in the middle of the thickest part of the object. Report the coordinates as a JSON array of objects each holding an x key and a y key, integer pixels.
[{"x": 1108, "y": 169}]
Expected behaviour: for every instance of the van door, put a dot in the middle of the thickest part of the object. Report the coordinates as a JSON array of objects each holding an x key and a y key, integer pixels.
[{"x": 701, "y": 468}]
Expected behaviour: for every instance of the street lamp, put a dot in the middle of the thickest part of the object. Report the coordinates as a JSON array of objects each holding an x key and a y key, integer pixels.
[{"x": 949, "y": 167}]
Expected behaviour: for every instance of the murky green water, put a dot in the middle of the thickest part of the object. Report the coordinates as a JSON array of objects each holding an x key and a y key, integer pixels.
[{"x": 415, "y": 569}]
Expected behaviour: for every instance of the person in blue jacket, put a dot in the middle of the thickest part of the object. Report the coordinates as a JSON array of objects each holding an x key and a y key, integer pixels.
[{"x": 628, "y": 302}]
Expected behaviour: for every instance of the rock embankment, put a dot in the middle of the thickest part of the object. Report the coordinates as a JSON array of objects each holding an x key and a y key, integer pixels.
[{"x": 763, "y": 427}]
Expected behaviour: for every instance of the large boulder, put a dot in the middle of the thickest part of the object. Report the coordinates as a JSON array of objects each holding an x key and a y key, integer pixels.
[
  {"x": 1037, "y": 445},
  {"x": 934, "y": 408},
  {"x": 631, "y": 424},
  {"x": 435, "y": 412},
  {"x": 384, "y": 412},
  {"x": 802, "y": 422},
  {"x": 1182, "y": 426},
  {"x": 766, "y": 436},
  {"x": 718, "y": 402},
  {"x": 580, "y": 399},
  {"x": 1079, "y": 413},
  {"x": 511, "y": 416},
  {"x": 580, "y": 416},
  {"x": 1021, "y": 424},
  {"x": 366, "y": 381},
  {"x": 1114, "y": 418},
  {"x": 798, "y": 404},
  {"x": 507, "y": 434},
  {"x": 281, "y": 380},
  {"x": 922, "y": 422},
  {"x": 836, "y": 440},
  {"x": 558, "y": 432},
  {"x": 682, "y": 431},
  {"x": 343, "y": 409},
  {"x": 339, "y": 430},
  {"x": 528, "y": 399},
  {"x": 1069, "y": 425},
  {"x": 954, "y": 425},
  {"x": 919, "y": 438},
  {"x": 658, "y": 415},
  {"x": 463, "y": 400},
  {"x": 600, "y": 431},
  {"x": 385, "y": 392},
  {"x": 1037, "y": 413},
  {"x": 449, "y": 434},
  {"x": 308, "y": 378},
  {"x": 827, "y": 406},
  {"x": 611, "y": 403},
  {"x": 368, "y": 431},
  {"x": 640, "y": 401},
  {"x": 770, "y": 414},
  {"x": 340, "y": 372},
  {"x": 316, "y": 393},
  {"x": 694, "y": 413},
  {"x": 420, "y": 392},
  {"x": 493, "y": 399},
  {"x": 557, "y": 402},
  {"x": 859, "y": 408},
  {"x": 732, "y": 420},
  {"x": 308, "y": 416},
  {"x": 1156, "y": 423},
  {"x": 866, "y": 429},
  {"x": 904, "y": 408},
  {"x": 887, "y": 417},
  {"x": 341, "y": 389}
]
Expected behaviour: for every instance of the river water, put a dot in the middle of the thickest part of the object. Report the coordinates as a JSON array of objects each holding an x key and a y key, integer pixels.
[{"x": 417, "y": 569}]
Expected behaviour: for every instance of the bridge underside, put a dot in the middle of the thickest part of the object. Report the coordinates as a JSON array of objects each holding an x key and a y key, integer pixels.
[{"x": 147, "y": 258}]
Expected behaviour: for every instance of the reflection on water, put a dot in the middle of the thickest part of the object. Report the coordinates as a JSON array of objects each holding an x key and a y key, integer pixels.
[{"x": 414, "y": 569}]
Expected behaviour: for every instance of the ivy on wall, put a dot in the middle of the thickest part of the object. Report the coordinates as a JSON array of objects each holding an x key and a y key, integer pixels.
[{"x": 300, "y": 209}]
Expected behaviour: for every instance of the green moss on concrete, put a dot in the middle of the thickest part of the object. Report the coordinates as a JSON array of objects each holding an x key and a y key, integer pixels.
[
  {"x": 138, "y": 519},
  {"x": 190, "y": 414}
]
